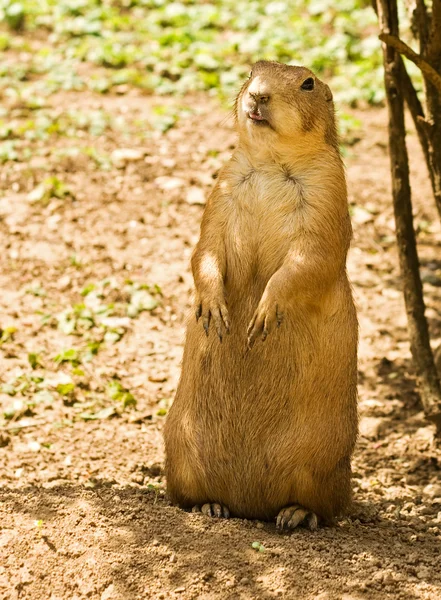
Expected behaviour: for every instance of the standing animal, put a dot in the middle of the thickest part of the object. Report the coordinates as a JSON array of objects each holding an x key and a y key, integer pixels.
[{"x": 264, "y": 420}]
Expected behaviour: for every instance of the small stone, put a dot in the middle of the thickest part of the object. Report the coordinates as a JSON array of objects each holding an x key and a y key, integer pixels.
[
  {"x": 122, "y": 156},
  {"x": 427, "y": 510},
  {"x": 108, "y": 593},
  {"x": 4, "y": 440},
  {"x": 169, "y": 183},
  {"x": 179, "y": 590},
  {"x": 432, "y": 490},
  {"x": 195, "y": 195},
  {"x": 360, "y": 215},
  {"x": 423, "y": 573},
  {"x": 25, "y": 576},
  {"x": 158, "y": 378},
  {"x": 169, "y": 163},
  {"x": 155, "y": 543},
  {"x": 244, "y": 581},
  {"x": 424, "y": 434},
  {"x": 64, "y": 282},
  {"x": 137, "y": 478},
  {"x": 370, "y": 427},
  {"x": 172, "y": 558}
]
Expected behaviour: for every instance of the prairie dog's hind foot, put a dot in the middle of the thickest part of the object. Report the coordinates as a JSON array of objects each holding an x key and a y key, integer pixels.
[
  {"x": 212, "y": 509},
  {"x": 291, "y": 517}
]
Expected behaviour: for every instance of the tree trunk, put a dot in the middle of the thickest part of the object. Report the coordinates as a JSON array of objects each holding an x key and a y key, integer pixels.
[
  {"x": 429, "y": 384},
  {"x": 429, "y": 33}
]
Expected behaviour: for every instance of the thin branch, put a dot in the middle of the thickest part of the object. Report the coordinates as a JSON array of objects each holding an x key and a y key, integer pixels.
[
  {"x": 394, "y": 42},
  {"x": 434, "y": 45},
  {"x": 416, "y": 109},
  {"x": 18, "y": 426},
  {"x": 429, "y": 384},
  {"x": 421, "y": 21}
]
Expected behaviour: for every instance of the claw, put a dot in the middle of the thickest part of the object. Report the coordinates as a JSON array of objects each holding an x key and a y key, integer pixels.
[
  {"x": 206, "y": 324},
  {"x": 212, "y": 510},
  {"x": 295, "y": 515},
  {"x": 279, "y": 316},
  {"x": 198, "y": 312},
  {"x": 312, "y": 522},
  {"x": 297, "y": 518}
]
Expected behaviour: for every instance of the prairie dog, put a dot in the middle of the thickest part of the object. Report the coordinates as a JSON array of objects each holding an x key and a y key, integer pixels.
[{"x": 264, "y": 421}]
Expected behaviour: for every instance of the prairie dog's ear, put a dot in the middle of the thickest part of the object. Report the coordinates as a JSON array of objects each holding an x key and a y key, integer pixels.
[{"x": 328, "y": 93}]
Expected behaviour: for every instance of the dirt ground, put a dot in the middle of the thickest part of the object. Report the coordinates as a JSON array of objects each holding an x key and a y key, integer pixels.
[{"x": 83, "y": 511}]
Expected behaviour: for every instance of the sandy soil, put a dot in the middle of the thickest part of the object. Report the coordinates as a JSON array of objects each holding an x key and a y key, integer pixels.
[{"x": 83, "y": 512}]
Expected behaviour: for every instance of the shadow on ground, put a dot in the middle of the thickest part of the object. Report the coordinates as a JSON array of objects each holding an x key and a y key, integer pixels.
[{"x": 130, "y": 543}]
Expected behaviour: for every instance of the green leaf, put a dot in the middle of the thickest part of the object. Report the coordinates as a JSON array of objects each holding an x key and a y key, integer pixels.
[
  {"x": 7, "y": 334},
  {"x": 43, "y": 397},
  {"x": 258, "y": 546},
  {"x": 9, "y": 389},
  {"x": 104, "y": 413},
  {"x": 64, "y": 389},
  {"x": 87, "y": 289},
  {"x": 71, "y": 355},
  {"x": 34, "y": 359},
  {"x": 117, "y": 392},
  {"x": 113, "y": 335},
  {"x": 78, "y": 372}
]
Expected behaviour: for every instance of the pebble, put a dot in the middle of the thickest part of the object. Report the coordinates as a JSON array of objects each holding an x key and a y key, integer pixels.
[
  {"x": 158, "y": 378},
  {"x": 108, "y": 593},
  {"x": 169, "y": 183},
  {"x": 423, "y": 573},
  {"x": 432, "y": 490},
  {"x": 122, "y": 156},
  {"x": 4, "y": 440},
  {"x": 195, "y": 195},
  {"x": 370, "y": 427}
]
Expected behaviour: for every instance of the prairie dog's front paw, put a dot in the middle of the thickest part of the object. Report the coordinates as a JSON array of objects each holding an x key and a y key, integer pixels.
[
  {"x": 267, "y": 316},
  {"x": 216, "y": 309}
]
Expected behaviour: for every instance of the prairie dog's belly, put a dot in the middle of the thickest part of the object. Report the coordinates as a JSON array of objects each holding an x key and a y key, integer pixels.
[{"x": 261, "y": 225}]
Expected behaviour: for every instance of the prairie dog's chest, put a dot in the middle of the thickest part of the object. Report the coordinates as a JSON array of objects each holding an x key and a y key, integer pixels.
[
  {"x": 266, "y": 196},
  {"x": 264, "y": 216}
]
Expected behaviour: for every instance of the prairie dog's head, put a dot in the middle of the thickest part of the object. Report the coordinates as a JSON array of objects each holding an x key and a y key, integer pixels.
[{"x": 285, "y": 104}]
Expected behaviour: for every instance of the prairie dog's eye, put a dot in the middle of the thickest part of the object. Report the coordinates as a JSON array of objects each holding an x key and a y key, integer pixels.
[
  {"x": 250, "y": 74},
  {"x": 308, "y": 84}
]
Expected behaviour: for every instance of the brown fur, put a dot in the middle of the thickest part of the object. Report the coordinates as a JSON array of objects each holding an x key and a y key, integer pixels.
[{"x": 264, "y": 428}]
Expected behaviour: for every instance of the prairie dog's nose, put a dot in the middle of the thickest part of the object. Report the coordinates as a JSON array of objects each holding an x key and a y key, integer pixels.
[
  {"x": 259, "y": 90},
  {"x": 262, "y": 98}
]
